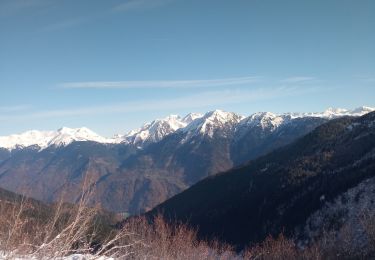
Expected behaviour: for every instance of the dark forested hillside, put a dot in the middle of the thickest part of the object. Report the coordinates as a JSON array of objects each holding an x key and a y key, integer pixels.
[{"x": 279, "y": 191}]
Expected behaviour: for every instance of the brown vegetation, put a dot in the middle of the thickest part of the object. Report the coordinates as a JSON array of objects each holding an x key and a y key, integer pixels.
[
  {"x": 345, "y": 243},
  {"x": 30, "y": 229}
]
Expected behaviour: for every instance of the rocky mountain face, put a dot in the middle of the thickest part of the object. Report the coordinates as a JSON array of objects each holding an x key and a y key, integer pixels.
[
  {"x": 136, "y": 171},
  {"x": 288, "y": 190},
  {"x": 4, "y": 154},
  {"x": 158, "y": 129}
]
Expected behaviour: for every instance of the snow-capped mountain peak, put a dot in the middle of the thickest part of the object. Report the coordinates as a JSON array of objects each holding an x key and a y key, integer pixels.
[
  {"x": 191, "y": 117},
  {"x": 26, "y": 139},
  {"x": 331, "y": 113},
  {"x": 271, "y": 121},
  {"x": 43, "y": 139},
  {"x": 155, "y": 131},
  {"x": 264, "y": 120},
  {"x": 362, "y": 110},
  {"x": 65, "y": 136},
  {"x": 211, "y": 121},
  {"x": 220, "y": 117}
]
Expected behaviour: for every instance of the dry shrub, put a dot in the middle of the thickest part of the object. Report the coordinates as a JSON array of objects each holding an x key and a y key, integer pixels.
[
  {"x": 368, "y": 224},
  {"x": 13, "y": 224},
  {"x": 41, "y": 232},
  {"x": 65, "y": 231},
  {"x": 354, "y": 240},
  {"x": 161, "y": 240},
  {"x": 27, "y": 230},
  {"x": 337, "y": 244},
  {"x": 30, "y": 229},
  {"x": 273, "y": 248}
]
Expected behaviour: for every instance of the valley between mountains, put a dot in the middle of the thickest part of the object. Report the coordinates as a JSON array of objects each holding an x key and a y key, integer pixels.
[{"x": 135, "y": 172}]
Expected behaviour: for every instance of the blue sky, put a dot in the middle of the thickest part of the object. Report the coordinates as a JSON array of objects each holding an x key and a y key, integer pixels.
[{"x": 113, "y": 65}]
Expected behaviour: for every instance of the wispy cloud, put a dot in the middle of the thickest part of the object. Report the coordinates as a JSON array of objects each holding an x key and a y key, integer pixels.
[
  {"x": 63, "y": 24},
  {"x": 14, "y": 108},
  {"x": 366, "y": 79},
  {"x": 162, "y": 83},
  {"x": 201, "y": 100},
  {"x": 10, "y": 7},
  {"x": 140, "y": 5},
  {"x": 297, "y": 79}
]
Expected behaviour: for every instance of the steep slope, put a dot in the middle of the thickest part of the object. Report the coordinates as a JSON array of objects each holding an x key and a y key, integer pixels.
[
  {"x": 158, "y": 129},
  {"x": 263, "y": 132},
  {"x": 4, "y": 154},
  {"x": 192, "y": 153},
  {"x": 164, "y": 169},
  {"x": 214, "y": 143},
  {"x": 168, "y": 167},
  {"x": 162, "y": 159},
  {"x": 63, "y": 172},
  {"x": 352, "y": 213},
  {"x": 48, "y": 173},
  {"x": 278, "y": 192}
]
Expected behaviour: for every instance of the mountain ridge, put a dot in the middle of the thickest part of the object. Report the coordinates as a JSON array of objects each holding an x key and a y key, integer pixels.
[
  {"x": 134, "y": 179},
  {"x": 159, "y": 128}
]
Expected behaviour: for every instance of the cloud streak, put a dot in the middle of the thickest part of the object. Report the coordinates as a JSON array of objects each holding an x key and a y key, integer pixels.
[
  {"x": 366, "y": 79},
  {"x": 201, "y": 100},
  {"x": 14, "y": 7},
  {"x": 63, "y": 24},
  {"x": 14, "y": 108},
  {"x": 297, "y": 79},
  {"x": 140, "y": 5},
  {"x": 159, "y": 83}
]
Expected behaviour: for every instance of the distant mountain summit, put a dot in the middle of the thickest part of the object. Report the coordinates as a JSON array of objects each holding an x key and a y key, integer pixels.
[
  {"x": 211, "y": 121},
  {"x": 191, "y": 117},
  {"x": 43, "y": 139},
  {"x": 264, "y": 120},
  {"x": 158, "y": 129},
  {"x": 336, "y": 112}
]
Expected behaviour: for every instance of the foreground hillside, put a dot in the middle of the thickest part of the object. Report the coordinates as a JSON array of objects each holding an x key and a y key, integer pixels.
[
  {"x": 32, "y": 230},
  {"x": 278, "y": 192}
]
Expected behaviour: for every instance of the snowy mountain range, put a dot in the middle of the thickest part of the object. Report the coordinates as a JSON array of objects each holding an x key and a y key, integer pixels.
[
  {"x": 192, "y": 124},
  {"x": 44, "y": 139},
  {"x": 138, "y": 170}
]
